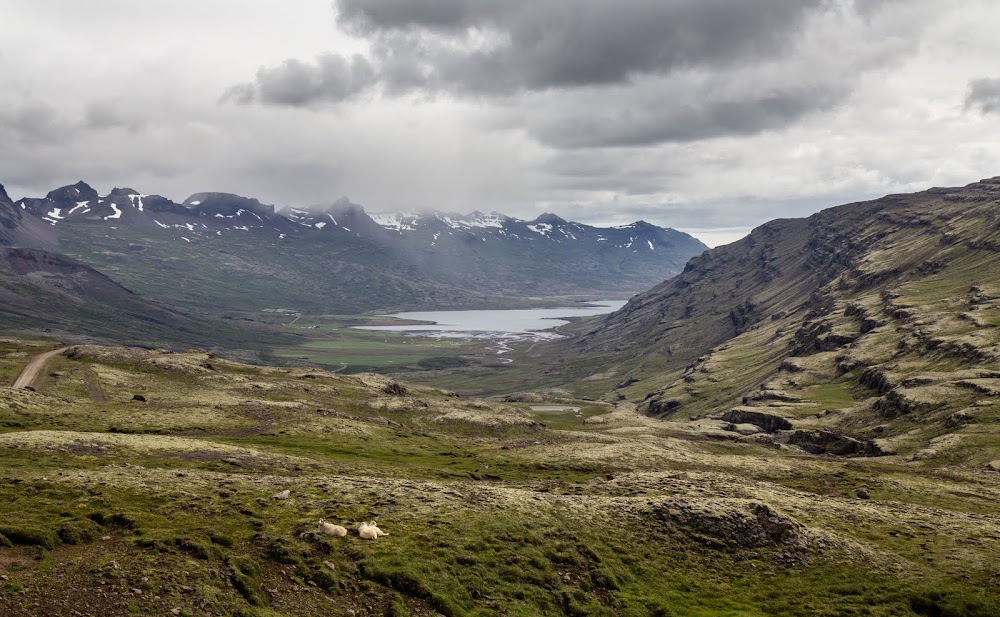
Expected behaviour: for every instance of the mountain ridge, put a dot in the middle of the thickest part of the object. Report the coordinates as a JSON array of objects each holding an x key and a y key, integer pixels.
[
  {"x": 360, "y": 262},
  {"x": 865, "y": 328}
]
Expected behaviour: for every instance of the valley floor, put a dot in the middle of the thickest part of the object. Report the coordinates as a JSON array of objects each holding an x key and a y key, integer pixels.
[{"x": 157, "y": 483}]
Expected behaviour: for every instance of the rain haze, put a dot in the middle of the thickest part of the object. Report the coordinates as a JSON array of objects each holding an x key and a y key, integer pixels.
[{"x": 708, "y": 116}]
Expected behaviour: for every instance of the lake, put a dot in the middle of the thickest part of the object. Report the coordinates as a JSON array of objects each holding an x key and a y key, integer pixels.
[{"x": 509, "y": 324}]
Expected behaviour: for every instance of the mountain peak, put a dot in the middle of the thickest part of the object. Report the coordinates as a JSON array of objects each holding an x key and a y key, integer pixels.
[
  {"x": 551, "y": 219},
  {"x": 227, "y": 203},
  {"x": 124, "y": 192},
  {"x": 81, "y": 191}
]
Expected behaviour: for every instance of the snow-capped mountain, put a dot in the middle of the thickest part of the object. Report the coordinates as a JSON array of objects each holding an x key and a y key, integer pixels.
[
  {"x": 431, "y": 227},
  {"x": 337, "y": 256}
]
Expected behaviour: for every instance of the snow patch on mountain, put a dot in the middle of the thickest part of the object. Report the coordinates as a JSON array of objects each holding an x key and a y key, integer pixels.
[{"x": 396, "y": 221}]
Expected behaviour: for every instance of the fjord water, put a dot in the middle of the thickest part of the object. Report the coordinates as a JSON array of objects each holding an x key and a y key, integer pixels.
[{"x": 521, "y": 324}]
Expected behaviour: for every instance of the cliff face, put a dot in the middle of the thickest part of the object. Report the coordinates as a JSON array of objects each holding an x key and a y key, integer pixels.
[{"x": 10, "y": 217}]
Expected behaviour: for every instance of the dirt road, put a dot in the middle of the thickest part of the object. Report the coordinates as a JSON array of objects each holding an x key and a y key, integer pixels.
[{"x": 34, "y": 367}]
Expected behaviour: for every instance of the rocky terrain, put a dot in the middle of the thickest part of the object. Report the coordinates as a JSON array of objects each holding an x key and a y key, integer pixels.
[{"x": 156, "y": 483}]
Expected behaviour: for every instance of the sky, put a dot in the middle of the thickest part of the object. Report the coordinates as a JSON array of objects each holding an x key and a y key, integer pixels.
[{"x": 709, "y": 116}]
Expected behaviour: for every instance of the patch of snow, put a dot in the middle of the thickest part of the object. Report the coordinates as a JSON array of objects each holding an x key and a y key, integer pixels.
[
  {"x": 184, "y": 239},
  {"x": 116, "y": 215},
  {"x": 280, "y": 236},
  {"x": 332, "y": 219},
  {"x": 346, "y": 229},
  {"x": 485, "y": 220},
  {"x": 190, "y": 226},
  {"x": 195, "y": 203},
  {"x": 79, "y": 204},
  {"x": 542, "y": 228},
  {"x": 220, "y": 216},
  {"x": 56, "y": 213},
  {"x": 137, "y": 200},
  {"x": 320, "y": 225},
  {"x": 396, "y": 221},
  {"x": 650, "y": 245},
  {"x": 53, "y": 221}
]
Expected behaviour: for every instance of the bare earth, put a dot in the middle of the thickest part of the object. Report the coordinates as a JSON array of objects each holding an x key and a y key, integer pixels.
[{"x": 35, "y": 366}]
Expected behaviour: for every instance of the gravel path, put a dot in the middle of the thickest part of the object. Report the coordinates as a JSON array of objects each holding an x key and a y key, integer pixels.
[{"x": 35, "y": 366}]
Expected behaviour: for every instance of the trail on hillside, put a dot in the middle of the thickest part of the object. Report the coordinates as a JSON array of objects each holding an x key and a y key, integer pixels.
[{"x": 31, "y": 370}]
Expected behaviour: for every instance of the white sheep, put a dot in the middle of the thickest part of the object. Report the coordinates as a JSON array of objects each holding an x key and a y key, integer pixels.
[
  {"x": 332, "y": 530},
  {"x": 370, "y": 531},
  {"x": 285, "y": 494}
]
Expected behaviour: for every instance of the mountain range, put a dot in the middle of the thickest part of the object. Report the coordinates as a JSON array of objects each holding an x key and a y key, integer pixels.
[{"x": 223, "y": 251}]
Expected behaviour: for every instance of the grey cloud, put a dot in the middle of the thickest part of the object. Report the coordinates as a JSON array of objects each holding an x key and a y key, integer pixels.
[
  {"x": 448, "y": 15},
  {"x": 590, "y": 73},
  {"x": 109, "y": 114},
  {"x": 331, "y": 78},
  {"x": 33, "y": 122},
  {"x": 685, "y": 120},
  {"x": 984, "y": 95},
  {"x": 39, "y": 123},
  {"x": 480, "y": 46}
]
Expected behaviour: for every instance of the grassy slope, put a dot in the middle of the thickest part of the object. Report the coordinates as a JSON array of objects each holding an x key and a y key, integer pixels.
[
  {"x": 121, "y": 506},
  {"x": 255, "y": 270}
]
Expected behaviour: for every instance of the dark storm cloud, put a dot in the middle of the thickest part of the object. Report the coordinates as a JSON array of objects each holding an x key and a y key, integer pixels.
[
  {"x": 984, "y": 95},
  {"x": 482, "y": 47}
]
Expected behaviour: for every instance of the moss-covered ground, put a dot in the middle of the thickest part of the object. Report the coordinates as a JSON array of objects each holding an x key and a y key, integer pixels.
[{"x": 151, "y": 483}]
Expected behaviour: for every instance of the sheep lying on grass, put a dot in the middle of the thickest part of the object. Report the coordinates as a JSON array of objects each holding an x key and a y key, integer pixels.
[
  {"x": 332, "y": 530},
  {"x": 370, "y": 531}
]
